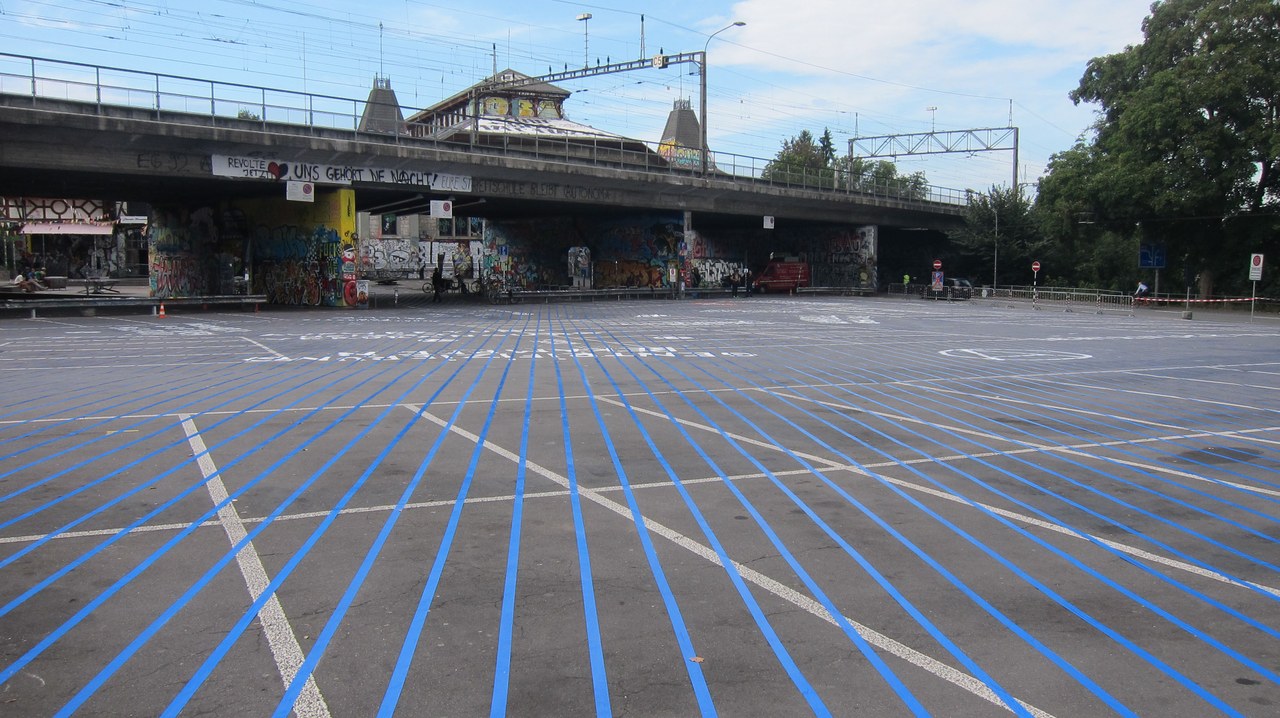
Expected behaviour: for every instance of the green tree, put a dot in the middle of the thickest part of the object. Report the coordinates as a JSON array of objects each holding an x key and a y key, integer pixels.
[
  {"x": 1186, "y": 148},
  {"x": 800, "y": 161},
  {"x": 827, "y": 146},
  {"x": 806, "y": 161},
  {"x": 1001, "y": 238}
]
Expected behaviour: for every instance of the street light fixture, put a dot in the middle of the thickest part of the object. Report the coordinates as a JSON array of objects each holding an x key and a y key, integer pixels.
[
  {"x": 702, "y": 82},
  {"x": 584, "y": 17}
]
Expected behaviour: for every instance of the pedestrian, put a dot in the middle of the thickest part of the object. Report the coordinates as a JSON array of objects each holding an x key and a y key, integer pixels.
[
  {"x": 437, "y": 286},
  {"x": 21, "y": 282},
  {"x": 734, "y": 280},
  {"x": 746, "y": 279}
]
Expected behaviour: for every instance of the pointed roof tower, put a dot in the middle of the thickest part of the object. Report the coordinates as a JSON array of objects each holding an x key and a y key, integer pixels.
[
  {"x": 682, "y": 127},
  {"x": 681, "y": 142},
  {"x": 382, "y": 110}
]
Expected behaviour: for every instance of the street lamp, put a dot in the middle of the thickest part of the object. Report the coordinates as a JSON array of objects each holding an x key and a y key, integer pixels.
[
  {"x": 995, "y": 249},
  {"x": 702, "y": 83},
  {"x": 584, "y": 17}
]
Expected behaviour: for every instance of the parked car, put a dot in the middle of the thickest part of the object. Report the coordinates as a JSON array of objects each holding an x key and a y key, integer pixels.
[{"x": 952, "y": 288}]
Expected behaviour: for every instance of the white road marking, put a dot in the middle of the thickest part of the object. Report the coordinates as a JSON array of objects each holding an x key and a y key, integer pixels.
[
  {"x": 280, "y": 636},
  {"x": 264, "y": 347}
]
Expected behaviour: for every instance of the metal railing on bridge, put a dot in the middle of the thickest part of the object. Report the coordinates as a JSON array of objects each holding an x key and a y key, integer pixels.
[{"x": 179, "y": 99}]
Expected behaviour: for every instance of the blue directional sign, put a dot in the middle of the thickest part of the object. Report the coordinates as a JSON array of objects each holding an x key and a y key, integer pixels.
[{"x": 1151, "y": 255}]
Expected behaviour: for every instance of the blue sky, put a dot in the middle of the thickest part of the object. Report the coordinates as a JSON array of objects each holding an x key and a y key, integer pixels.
[{"x": 853, "y": 66}]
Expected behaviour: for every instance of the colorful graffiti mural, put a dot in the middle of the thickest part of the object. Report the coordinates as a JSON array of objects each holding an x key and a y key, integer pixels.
[{"x": 292, "y": 254}]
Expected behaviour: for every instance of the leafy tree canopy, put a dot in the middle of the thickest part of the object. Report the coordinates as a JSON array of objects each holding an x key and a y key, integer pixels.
[
  {"x": 804, "y": 160},
  {"x": 1186, "y": 149}
]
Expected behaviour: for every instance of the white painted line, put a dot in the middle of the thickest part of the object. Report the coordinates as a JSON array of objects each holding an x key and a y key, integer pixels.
[
  {"x": 879, "y": 640},
  {"x": 264, "y": 347},
  {"x": 280, "y": 636}
]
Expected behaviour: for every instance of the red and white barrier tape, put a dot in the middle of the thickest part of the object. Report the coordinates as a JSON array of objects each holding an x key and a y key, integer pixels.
[{"x": 1175, "y": 300}]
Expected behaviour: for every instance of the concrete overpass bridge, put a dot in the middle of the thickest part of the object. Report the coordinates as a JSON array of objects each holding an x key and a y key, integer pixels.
[{"x": 91, "y": 132}]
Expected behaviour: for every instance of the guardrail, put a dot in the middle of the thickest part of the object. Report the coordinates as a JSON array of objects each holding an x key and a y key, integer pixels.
[{"x": 204, "y": 101}]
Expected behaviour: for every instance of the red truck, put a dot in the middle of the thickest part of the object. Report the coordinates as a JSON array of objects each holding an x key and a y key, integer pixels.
[{"x": 783, "y": 274}]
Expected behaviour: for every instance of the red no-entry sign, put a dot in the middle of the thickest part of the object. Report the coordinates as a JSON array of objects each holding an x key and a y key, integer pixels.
[
  {"x": 937, "y": 264},
  {"x": 1035, "y": 267}
]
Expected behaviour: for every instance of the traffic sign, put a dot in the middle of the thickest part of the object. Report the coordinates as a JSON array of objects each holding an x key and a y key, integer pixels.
[
  {"x": 1035, "y": 267},
  {"x": 1255, "y": 268},
  {"x": 937, "y": 264}
]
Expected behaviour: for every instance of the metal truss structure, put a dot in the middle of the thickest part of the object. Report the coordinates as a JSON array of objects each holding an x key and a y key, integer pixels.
[
  {"x": 935, "y": 143},
  {"x": 658, "y": 61}
]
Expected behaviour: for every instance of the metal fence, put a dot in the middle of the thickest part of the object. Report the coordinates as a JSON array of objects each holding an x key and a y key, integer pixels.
[{"x": 180, "y": 99}]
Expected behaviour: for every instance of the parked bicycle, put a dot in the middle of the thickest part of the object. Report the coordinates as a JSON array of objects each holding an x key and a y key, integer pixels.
[{"x": 499, "y": 290}]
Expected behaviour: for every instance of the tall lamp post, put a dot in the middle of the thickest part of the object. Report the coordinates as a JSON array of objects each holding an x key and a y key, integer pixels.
[
  {"x": 585, "y": 18},
  {"x": 702, "y": 82},
  {"x": 995, "y": 250}
]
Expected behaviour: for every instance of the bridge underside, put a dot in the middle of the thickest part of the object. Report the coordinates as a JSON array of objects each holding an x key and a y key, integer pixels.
[
  {"x": 64, "y": 150},
  {"x": 76, "y": 150}
]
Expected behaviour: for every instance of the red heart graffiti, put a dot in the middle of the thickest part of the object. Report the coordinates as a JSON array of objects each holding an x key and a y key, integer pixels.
[{"x": 278, "y": 170}]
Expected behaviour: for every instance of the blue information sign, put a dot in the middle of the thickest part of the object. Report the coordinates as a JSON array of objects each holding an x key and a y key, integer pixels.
[{"x": 1151, "y": 256}]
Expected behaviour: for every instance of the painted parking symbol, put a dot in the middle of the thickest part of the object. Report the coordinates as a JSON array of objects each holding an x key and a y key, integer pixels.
[{"x": 1013, "y": 354}]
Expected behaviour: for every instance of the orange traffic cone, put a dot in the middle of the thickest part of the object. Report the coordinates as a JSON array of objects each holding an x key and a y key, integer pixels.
[{"x": 161, "y": 315}]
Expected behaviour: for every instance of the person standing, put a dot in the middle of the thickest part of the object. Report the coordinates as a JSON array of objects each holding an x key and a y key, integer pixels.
[
  {"x": 437, "y": 286},
  {"x": 734, "y": 280}
]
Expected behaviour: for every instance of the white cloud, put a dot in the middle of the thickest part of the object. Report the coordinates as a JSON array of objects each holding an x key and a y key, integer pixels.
[{"x": 888, "y": 62}]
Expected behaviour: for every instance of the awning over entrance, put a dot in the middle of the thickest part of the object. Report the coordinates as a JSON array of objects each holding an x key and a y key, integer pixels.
[{"x": 66, "y": 228}]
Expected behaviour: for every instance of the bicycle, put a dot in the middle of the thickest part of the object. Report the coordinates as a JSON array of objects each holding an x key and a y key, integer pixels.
[{"x": 499, "y": 291}]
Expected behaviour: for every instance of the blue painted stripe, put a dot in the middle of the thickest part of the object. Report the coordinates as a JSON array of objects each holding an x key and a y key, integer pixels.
[
  {"x": 869, "y": 652},
  {"x": 506, "y": 626},
  {"x": 591, "y": 616},
  {"x": 780, "y": 651},
  {"x": 696, "y": 678},
  {"x": 395, "y": 686}
]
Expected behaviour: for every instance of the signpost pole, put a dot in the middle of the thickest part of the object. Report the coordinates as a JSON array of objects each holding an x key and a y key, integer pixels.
[
  {"x": 1255, "y": 274},
  {"x": 1035, "y": 280}
]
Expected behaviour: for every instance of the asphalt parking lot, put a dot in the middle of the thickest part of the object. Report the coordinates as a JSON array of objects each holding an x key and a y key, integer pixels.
[{"x": 751, "y": 507}]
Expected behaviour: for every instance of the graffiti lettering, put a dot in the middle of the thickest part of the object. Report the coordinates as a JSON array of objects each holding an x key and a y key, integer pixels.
[{"x": 173, "y": 162}]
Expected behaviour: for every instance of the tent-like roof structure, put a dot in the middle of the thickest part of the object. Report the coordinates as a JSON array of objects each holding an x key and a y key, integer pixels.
[{"x": 499, "y": 112}]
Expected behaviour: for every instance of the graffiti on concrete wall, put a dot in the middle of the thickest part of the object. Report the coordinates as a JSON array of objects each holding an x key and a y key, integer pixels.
[
  {"x": 295, "y": 265},
  {"x": 392, "y": 258},
  {"x": 713, "y": 272},
  {"x": 847, "y": 258},
  {"x": 176, "y": 276}
]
